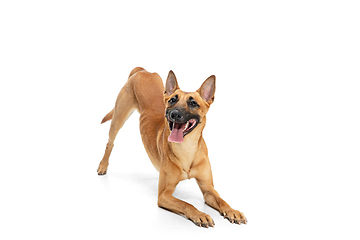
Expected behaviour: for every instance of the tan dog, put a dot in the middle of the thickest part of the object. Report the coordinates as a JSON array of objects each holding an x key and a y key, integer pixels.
[{"x": 171, "y": 125}]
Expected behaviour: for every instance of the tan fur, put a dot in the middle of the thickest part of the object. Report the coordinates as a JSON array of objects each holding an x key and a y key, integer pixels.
[
  {"x": 108, "y": 116},
  {"x": 175, "y": 162}
]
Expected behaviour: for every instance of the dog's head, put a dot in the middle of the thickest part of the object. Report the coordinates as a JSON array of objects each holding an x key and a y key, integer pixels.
[{"x": 186, "y": 111}]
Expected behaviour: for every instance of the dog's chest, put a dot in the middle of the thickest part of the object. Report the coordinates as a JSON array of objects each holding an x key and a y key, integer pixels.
[{"x": 186, "y": 153}]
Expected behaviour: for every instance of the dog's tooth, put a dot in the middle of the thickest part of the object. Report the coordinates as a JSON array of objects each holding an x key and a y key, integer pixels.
[{"x": 186, "y": 126}]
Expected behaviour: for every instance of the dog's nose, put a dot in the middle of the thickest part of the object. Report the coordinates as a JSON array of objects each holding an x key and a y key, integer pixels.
[{"x": 176, "y": 116}]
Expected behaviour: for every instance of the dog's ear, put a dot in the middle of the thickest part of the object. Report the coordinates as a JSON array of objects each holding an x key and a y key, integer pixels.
[
  {"x": 171, "y": 84},
  {"x": 207, "y": 89}
]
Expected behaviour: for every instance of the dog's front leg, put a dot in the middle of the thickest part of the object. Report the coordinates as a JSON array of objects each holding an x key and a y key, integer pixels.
[
  {"x": 167, "y": 185},
  {"x": 212, "y": 197}
]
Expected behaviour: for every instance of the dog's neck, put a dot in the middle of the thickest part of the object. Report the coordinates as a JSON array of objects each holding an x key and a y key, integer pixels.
[{"x": 185, "y": 152}]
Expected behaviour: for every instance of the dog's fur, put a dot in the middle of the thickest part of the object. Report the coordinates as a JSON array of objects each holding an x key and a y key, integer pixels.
[{"x": 175, "y": 156}]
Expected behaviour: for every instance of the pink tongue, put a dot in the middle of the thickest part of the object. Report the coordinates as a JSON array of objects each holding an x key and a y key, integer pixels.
[{"x": 176, "y": 134}]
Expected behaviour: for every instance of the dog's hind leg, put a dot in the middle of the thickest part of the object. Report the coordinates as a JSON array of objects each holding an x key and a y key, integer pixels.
[{"x": 125, "y": 105}]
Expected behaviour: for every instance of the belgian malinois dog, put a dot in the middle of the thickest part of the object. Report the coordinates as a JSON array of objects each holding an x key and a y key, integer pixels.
[{"x": 171, "y": 125}]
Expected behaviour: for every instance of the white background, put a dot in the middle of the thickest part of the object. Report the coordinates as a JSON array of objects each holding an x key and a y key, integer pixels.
[{"x": 283, "y": 133}]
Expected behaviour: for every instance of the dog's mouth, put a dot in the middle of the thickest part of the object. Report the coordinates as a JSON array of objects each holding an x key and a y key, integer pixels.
[{"x": 179, "y": 130}]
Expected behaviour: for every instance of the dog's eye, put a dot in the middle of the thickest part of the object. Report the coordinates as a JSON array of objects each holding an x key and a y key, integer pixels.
[
  {"x": 173, "y": 99},
  {"x": 193, "y": 103}
]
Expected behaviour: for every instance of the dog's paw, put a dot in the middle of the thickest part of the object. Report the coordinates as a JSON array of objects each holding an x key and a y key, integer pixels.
[
  {"x": 101, "y": 170},
  {"x": 202, "y": 220},
  {"x": 234, "y": 216}
]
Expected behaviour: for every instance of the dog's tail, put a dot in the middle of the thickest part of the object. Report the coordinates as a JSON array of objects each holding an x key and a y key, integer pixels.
[{"x": 108, "y": 116}]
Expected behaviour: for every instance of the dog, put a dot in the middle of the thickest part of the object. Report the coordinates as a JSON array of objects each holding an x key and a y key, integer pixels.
[{"x": 171, "y": 125}]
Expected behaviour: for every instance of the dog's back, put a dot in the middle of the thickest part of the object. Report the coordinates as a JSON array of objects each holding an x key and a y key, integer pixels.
[{"x": 149, "y": 94}]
